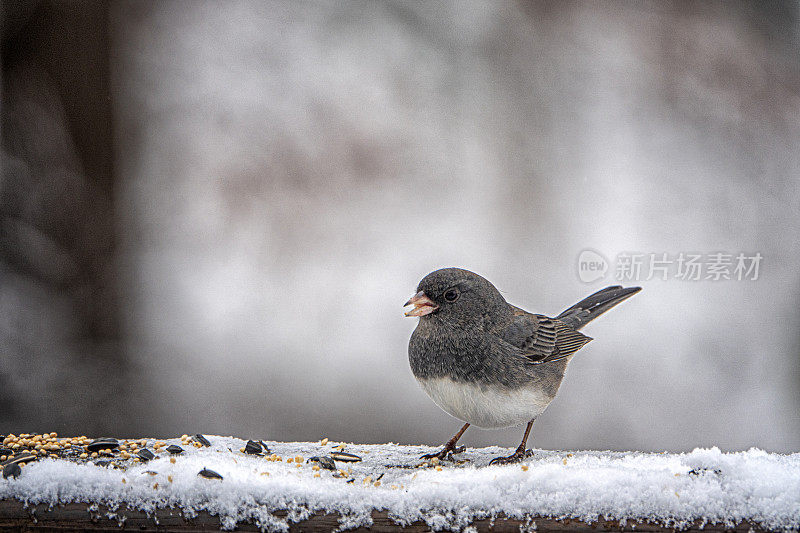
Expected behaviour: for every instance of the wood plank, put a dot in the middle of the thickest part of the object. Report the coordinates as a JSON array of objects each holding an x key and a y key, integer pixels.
[{"x": 76, "y": 517}]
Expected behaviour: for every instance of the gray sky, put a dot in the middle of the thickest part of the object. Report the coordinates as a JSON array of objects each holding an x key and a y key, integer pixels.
[{"x": 287, "y": 172}]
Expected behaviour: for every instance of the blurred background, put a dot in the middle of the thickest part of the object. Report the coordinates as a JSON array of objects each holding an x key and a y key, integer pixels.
[{"x": 211, "y": 214}]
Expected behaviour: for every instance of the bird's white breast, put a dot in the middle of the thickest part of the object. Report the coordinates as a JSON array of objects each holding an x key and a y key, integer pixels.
[{"x": 486, "y": 406}]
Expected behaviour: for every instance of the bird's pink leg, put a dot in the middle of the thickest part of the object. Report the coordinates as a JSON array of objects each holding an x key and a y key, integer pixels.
[
  {"x": 450, "y": 447},
  {"x": 518, "y": 455}
]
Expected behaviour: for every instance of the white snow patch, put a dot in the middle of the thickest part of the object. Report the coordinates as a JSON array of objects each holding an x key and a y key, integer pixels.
[{"x": 670, "y": 489}]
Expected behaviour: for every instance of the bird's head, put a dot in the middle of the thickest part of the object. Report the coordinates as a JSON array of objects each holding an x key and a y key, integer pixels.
[{"x": 457, "y": 296}]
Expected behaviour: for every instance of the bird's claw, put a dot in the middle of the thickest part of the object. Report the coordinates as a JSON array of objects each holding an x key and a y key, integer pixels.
[
  {"x": 445, "y": 454},
  {"x": 515, "y": 457}
]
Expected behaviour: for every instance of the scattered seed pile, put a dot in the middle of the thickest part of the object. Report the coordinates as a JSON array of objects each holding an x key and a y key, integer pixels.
[
  {"x": 17, "y": 451},
  {"x": 271, "y": 483}
]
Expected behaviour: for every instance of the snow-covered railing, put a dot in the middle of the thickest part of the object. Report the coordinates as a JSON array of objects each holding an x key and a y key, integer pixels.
[{"x": 324, "y": 486}]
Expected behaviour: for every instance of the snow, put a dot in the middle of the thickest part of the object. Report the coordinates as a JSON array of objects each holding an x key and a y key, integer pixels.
[{"x": 668, "y": 489}]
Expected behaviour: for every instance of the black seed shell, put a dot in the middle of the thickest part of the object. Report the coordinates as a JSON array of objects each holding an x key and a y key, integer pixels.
[
  {"x": 11, "y": 470},
  {"x": 253, "y": 448},
  {"x": 325, "y": 462},
  {"x": 201, "y": 439},
  {"x": 210, "y": 474},
  {"x": 145, "y": 454},
  {"x": 345, "y": 457},
  {"x": 22, "y": 458},
  {"x": 102, "y": 444}
]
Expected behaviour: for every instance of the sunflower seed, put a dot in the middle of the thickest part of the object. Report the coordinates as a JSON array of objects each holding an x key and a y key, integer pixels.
[
  {"x": 345, "y": 457},
  {"x": 201, "y": 439},
  {"x": 210, "y": 474},
  {"x": 325, "y": 462},
  {"x": 174, "y": 449},
  {"x": 25, "y": 458},
  {"x": 253, "y": 448},
  {"x": 11, "y": 470},
  {"x": 145, "y": 454},
  {"x": 102, "y": 444}
]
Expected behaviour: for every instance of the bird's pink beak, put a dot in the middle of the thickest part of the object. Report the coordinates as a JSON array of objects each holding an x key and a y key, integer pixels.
[{"x": 422, "y": 305}]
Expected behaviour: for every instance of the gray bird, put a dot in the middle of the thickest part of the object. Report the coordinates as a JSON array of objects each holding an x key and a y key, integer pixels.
[{"x": 487, "y": 362}]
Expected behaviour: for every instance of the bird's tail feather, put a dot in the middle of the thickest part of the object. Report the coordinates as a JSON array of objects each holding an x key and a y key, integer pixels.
[{"x": 595, "y": 305}]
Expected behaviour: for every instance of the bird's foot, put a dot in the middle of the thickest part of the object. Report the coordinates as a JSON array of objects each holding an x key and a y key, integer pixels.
[
  {"x": 515, "y": 457},
  {"x": 446, "y": 453}
]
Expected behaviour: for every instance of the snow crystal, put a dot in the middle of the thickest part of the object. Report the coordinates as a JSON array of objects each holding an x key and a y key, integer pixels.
[{"x": 670, "y": 489}]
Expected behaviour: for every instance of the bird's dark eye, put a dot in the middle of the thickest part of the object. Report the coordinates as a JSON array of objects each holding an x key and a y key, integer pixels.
[{"x": 451, "y": 295}]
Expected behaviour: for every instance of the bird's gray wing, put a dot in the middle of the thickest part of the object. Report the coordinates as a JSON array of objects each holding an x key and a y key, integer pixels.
[{"x": 542, "y": 339}]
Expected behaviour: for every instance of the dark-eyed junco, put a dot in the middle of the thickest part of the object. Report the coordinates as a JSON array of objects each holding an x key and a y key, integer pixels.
[{"x": 487, "y": 362}]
